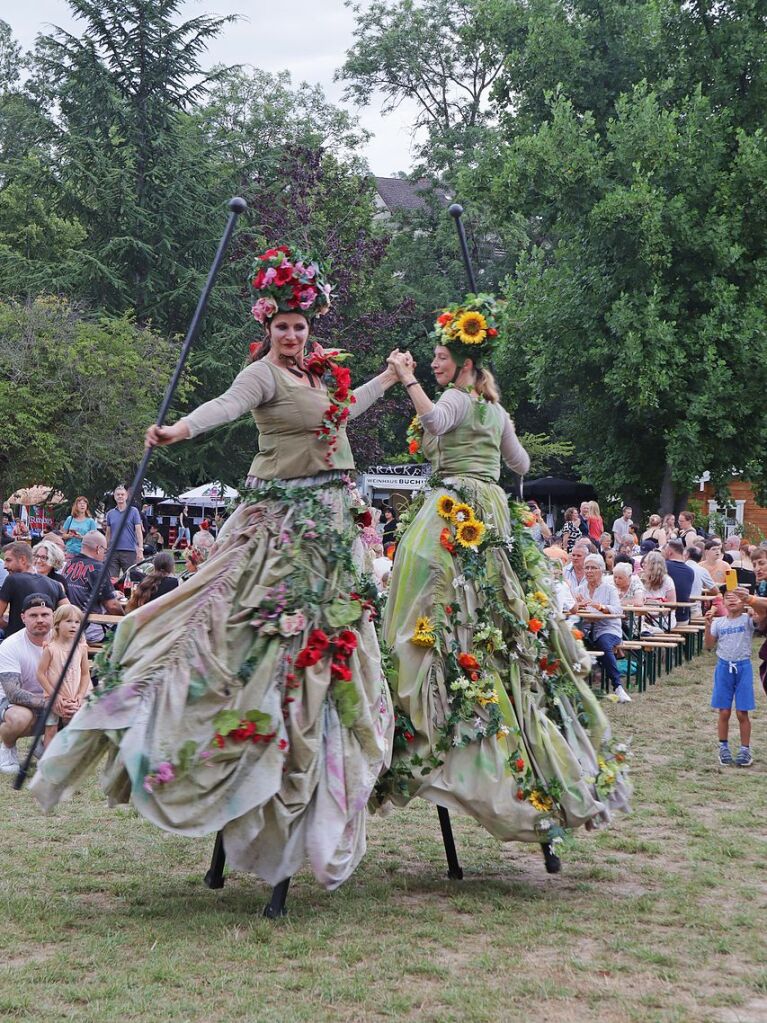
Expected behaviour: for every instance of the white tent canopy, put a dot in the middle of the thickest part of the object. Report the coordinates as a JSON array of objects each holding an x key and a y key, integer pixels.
[{"x": 208, "y": 495}]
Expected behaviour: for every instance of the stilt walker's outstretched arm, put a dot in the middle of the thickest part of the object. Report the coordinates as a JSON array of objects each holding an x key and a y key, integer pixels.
[{"x": 236, "y": 207}]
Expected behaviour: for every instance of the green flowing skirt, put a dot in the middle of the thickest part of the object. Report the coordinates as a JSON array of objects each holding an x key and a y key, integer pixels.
[
  {"x": 211, "y": 717},
  {"x": 494, "y": 717}
]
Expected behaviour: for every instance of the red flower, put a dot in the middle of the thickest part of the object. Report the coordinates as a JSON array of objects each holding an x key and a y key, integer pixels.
[
  {"x": 284, "y": 275},
  {"x": 446, "y": 539},
  {"x": 258, "y": 280},
  {"x": 308, "y": 656},
  {"x": 282, "y": 745},
  {"x": 448, "y": 609},
  {"x": 534, "y": 625},
  {"x": 318, "y": 640},
  {"x": 345, "y": 643},
  {"x": 468, "y": 661},
  {"x": 577, "y": 634},
  {"x": 444, "y": 319},
  {"x": 218, "y": 740},
  {"x": 339, "y": 670},
  {"x": 492, "y": 332},
  {"x": 408, "y": 736},
  {"x": 365, "y": 519},
  {"x": 255, "y": 348},
  {"x": 519, "y": 764},
  {"x": 520, "y": 795}
]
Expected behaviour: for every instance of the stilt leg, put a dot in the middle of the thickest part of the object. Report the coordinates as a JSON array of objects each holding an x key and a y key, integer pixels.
[
  {"x": 454, "y": 871},
  {"x": 553, "y": 863},
  {"x": 215, "y": 876},
  {"x": 276, "y": 905}
]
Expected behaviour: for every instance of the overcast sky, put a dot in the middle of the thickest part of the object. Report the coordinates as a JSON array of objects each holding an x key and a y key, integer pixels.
[{"x": 307, "y": 39}]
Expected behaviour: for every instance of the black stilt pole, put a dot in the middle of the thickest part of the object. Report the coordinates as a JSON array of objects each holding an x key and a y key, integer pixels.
[
  {"x": 456, "y": 211},
  {"x": 454, "y": 871},
  {"x": 276, "y": 906},
  {"x": 553, "y": 862},
  {"x": 215, "y": 875},
  {"x": 236, "y": 207}
]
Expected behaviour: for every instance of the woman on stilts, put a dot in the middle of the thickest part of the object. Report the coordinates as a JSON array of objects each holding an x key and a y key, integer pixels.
[
  {"x": 494, "y": 717},
  {"x": 251, "y": 699}
]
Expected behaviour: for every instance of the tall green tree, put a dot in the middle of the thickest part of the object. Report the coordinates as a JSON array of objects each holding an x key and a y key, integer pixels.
[{"x": 136, "y": 180}]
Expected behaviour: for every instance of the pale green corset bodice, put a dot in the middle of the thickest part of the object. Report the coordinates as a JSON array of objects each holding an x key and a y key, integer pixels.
[{"x": 473, "y": 448}]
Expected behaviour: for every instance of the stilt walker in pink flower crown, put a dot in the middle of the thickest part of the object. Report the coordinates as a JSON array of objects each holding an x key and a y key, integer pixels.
[{"x": 251, "y": 701}]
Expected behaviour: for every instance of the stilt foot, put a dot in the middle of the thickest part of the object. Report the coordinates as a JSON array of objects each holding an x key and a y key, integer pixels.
[{"x": 553, "y": 862}]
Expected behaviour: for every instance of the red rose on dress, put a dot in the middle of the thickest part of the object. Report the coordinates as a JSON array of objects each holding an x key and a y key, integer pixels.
[
  {"x": 317, "y": 638},
  {"x": 308, "y": 656},
  {"x": 468, "y": 661},
  {"x": 534, "y": 625},
  {"x": 345, "y": 643},
  {"x": 339, "y": 671},
  {"x": 519, "y": 764}
]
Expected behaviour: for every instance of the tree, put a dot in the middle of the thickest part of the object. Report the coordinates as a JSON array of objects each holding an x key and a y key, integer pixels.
[
  {"x": 135, "y": 179},
  {"x": 438, "y": 53},
  {"x": 76, "y": 395}
]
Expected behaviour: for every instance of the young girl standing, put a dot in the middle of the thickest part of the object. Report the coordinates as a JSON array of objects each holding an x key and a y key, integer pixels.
[{"x": 77, "y": 683}]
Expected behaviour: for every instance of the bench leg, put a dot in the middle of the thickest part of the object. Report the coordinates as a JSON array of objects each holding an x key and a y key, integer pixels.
[
  {"x": 454, "y": 871},
  {"x": 215, "y": 875}
]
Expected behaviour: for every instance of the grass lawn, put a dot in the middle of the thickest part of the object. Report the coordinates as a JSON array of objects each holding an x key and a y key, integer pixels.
[{"x": 660, "y": 918}]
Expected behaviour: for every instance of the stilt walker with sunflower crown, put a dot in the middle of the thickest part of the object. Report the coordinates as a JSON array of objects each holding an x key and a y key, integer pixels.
[{"x": 494, "y": 717}]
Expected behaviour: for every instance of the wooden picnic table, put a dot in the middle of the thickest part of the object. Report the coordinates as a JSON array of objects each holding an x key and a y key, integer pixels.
[
  {"x": 594, "y": 616},
  {"x": 99, "y": 619}
]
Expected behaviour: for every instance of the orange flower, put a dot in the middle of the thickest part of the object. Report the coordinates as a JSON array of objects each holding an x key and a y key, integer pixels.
[
  {"x": 446, "y": 539},
  {"x": 535, "y": 625},
  {"x": 444, "y": 319},
  {"x": 413, "y": 447},
  {"x": 468, "y": 661},
  {"x": 577, "y": 633}
]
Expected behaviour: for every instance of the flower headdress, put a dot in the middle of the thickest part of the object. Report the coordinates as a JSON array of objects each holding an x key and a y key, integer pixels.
[
  {"x": 285, "y": 280},
  {"x": 468, "y": 329}
]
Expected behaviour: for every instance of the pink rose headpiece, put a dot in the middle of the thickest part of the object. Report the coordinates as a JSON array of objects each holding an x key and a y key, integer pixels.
[{"x": 284, "y": 280}]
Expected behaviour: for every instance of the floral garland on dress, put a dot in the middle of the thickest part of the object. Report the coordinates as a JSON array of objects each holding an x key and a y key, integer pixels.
[{"x": 325, "y": 365}]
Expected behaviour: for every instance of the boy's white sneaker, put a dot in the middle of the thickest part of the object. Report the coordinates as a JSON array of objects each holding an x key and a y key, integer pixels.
[
  {"x": 9, "y": 761},
  {"x": 623, "y": 696}
]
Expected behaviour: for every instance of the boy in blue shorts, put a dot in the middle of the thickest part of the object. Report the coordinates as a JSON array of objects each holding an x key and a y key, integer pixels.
[{"x": 733, "y": 676}]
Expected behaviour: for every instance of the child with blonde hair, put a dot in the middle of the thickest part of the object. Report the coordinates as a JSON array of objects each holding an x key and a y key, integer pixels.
[{"x": 77, "y": 682}]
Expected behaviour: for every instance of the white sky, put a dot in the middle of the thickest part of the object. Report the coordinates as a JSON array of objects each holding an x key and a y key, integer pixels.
[{"x": 308, "y": 39}]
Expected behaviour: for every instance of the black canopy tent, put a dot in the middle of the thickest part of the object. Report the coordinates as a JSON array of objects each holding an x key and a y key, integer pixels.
[{"x": 558, "y": 491}]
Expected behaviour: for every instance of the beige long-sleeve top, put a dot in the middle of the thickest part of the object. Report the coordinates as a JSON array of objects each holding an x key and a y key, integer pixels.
[
  {"x": 451, "y": 410},
  {"x": 255, "y": 386}
]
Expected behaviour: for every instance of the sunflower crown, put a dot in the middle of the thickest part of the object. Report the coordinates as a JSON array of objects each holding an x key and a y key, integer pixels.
[{"x": 469, "y": 329}]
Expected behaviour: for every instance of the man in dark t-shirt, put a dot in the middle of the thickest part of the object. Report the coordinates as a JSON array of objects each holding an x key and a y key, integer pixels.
[
  {"x": 21, "y": 582},
  {"x": 682, "y": 575},
  {"x": 81, "y": 573}
]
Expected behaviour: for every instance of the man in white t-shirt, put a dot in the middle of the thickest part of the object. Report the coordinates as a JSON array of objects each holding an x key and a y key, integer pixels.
[
  {"x": 622, "y": 526},
  {"x": 381, "y": 566},
  {"x": 22, "y": 698}
]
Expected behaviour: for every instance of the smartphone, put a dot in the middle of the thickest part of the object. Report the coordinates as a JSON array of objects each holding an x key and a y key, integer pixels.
[{"x": 731, "y": 580}]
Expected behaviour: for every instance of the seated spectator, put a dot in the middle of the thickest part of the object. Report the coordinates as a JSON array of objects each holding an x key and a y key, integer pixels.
[
  {"x": 714, "y": 562},
  {"x": 659, "y": 587},
  {"x": 380, "y": 565},
  {"x": 605, "y": 543},
  {"x": 759, "y": 561},
  {"x": 574, "y": 573},
  {"x": 155, "y": 541},
  {"x": 628, "y": 548},
  {"x": 161, "y": 580},
  {"x": 22, "y": 698},
  {"x": 555, "y": 552},
  {"x": 732, "y": 551},
  {"x": 745, "y": 555},
  {"x": 539, "y": 530},
  {"x": 20, "y": 582},
  {"x": 703, "y": 582},
  {"x": 6, "y": 535},
  {"x": 681, "y": 574},
  {"x": 687, "y": 532},
  {"x": 563, "y": 595},
  {"x": 669, "y": 526},
  {"x": 56, "y": 539},
  {"x": 628, "y": 584},
  {"x": 655, "y": 531},
  {"x": 48, "y": 560},
  {"x": 609, "y": 560},
  {"x": 571, "y": 531},
  {"x": 193, "y": 558},
  {"x": 203, "y": 538},
  {"x": 82, "y": 572},
  {"x": 77, "y": 681},
  {"x": 20, "y": 531},
  {"x": 598, "y": 594}
]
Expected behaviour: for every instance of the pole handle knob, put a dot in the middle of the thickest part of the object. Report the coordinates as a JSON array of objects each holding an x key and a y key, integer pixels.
[
  {"x": 456, "y": 210},
  {"x": 237, "y": 204}
]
